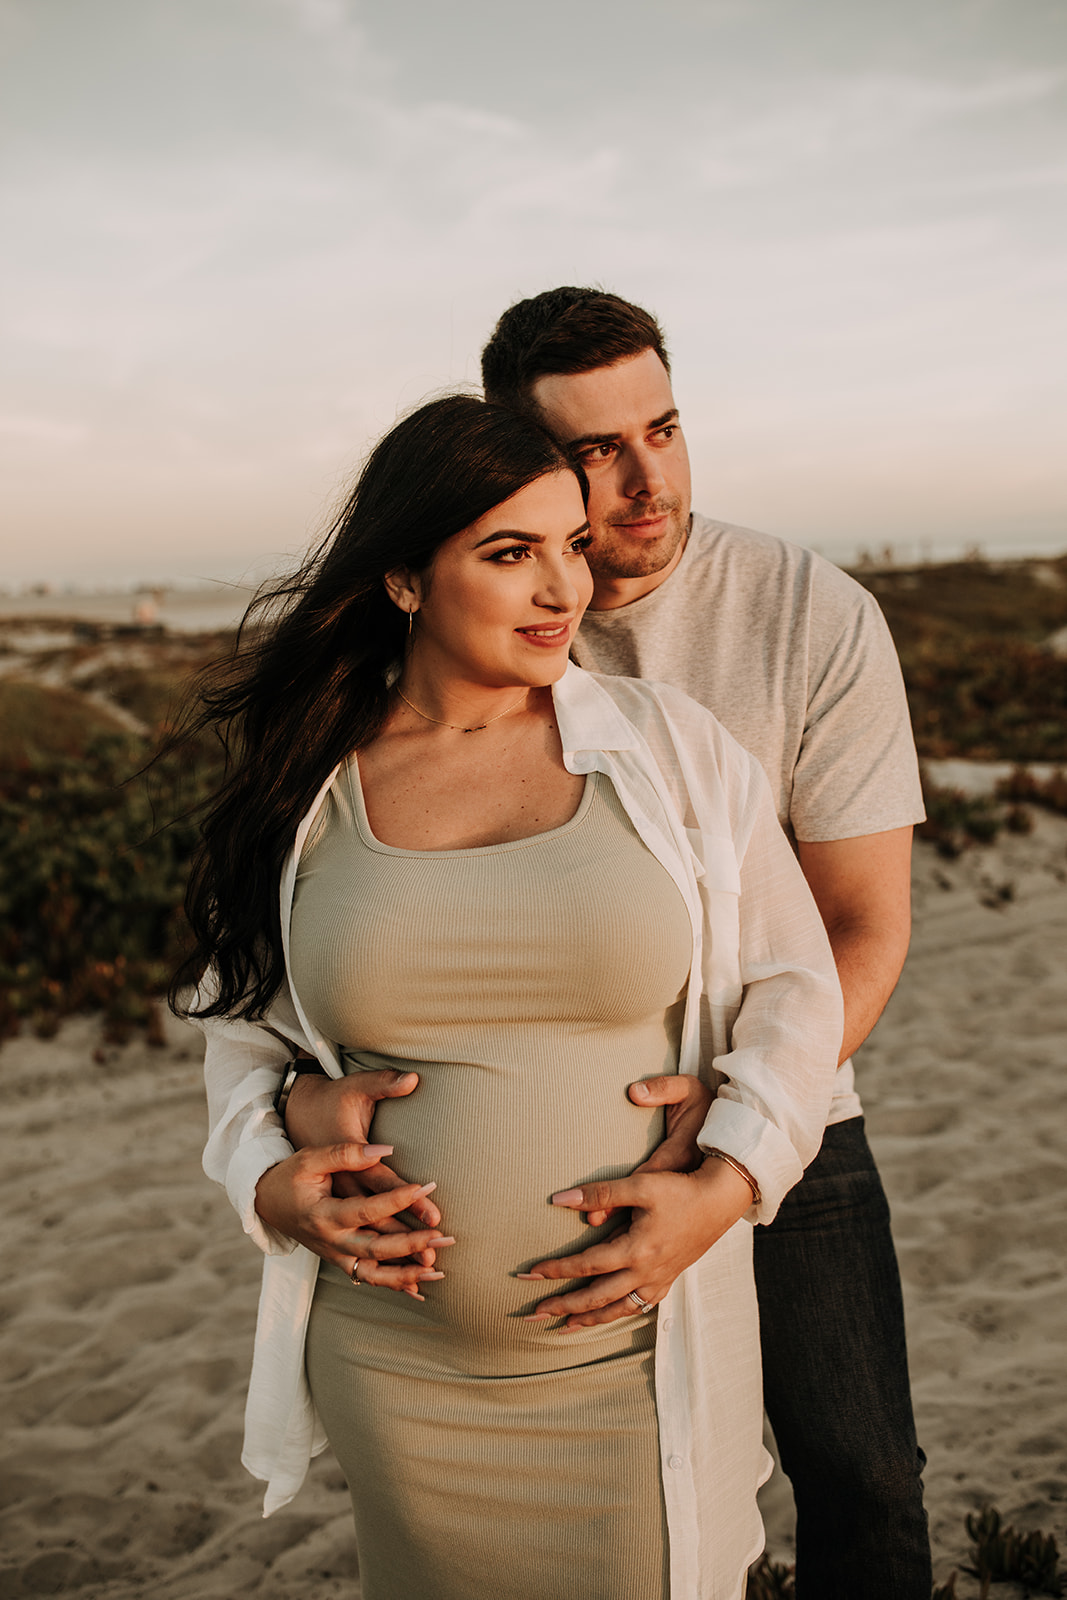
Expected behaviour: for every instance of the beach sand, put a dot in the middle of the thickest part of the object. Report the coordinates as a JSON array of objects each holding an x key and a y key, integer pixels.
[{"x": 128, "y": 1299}]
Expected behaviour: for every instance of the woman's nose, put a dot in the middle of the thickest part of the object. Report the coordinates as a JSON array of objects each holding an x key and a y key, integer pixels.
[{"x": 557, "y": 589}]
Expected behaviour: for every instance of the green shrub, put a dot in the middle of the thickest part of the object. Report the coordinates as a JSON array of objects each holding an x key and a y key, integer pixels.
[
  {"x": 1050, "y": 792},
  {"x": 987, "y": 698},
  {"x": 39, "y": 720},
  {"x": 1003, "y": 1555},
  {"x": 955, "y": 820},
  {"x": 148, "y": 693},
  {"x": 770, "y": 1580},
  {"x": 93, "y": 866},
  {"x": 971, "y": 637}
]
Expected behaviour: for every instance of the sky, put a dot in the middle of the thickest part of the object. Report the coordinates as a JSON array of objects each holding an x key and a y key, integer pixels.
[{"x": 243, "y": 235}]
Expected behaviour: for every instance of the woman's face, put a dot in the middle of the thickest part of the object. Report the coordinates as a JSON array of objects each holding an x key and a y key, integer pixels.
[{"x": 501, "y": 601}]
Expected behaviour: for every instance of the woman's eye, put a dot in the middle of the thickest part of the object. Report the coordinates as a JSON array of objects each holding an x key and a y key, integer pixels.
[
  {"x": 511, "y": 557},
  {"x": 582, "y": 543}
]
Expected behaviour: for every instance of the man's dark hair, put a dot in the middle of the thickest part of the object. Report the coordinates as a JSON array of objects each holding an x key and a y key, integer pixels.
[{"x": 563, "y": 331}]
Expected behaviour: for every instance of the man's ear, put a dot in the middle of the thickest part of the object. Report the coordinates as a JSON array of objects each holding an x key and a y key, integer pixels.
[{"x": 404, "y": 589}]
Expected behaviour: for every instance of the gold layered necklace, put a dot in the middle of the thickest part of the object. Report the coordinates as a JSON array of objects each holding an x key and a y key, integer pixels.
[{"x": 455, "y": 726}]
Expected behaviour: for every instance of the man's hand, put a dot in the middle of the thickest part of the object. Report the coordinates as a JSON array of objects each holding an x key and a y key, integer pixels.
[
  {"x": 687, "y": 1101},
  {"x": 296, "y": 1198},
  {"x": 676, "y": 1217},
  {"x": 325, "y": 1111}
]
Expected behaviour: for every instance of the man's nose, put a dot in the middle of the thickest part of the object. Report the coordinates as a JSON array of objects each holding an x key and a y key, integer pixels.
[{"x": 643, "y": 472}]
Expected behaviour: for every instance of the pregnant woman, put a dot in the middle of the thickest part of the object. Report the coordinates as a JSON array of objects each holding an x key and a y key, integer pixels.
[{"x": 441, "y": 847}]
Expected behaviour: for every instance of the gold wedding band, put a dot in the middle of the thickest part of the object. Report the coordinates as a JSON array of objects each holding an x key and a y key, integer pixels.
[{"x": 354, "y": 1274}]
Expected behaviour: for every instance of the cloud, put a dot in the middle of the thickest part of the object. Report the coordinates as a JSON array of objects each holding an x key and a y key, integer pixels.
[{"x": 246, "y": 232}]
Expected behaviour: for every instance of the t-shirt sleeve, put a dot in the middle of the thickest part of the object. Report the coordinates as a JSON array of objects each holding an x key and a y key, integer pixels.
[{"x": 857, "y": 770}]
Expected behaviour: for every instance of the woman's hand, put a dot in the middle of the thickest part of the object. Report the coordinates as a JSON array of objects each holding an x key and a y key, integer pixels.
[
  {"x": 675, "y": 1218},
  {"x": 296, "y": 1198},
  {"x": 687, "y": 1101},
  {"x": 325, "y": 1111}
]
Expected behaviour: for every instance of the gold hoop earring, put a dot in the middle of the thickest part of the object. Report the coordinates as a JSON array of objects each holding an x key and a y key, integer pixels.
[{"x": 411, "y": 622}]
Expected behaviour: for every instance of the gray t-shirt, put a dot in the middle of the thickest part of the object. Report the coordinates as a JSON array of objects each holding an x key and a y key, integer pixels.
[{"x": 795, "y": 659}]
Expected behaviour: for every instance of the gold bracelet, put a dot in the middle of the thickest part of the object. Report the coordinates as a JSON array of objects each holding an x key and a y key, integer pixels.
[
  {"x": 740, "y": 1170},
  {"x": 293, "y": 1070}
]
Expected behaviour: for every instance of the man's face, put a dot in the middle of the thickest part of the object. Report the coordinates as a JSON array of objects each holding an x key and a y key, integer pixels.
[{"x": 621, "y": 423}]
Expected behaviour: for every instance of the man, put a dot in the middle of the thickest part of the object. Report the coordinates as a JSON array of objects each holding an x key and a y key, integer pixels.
[{"x": 797, "y": 662}]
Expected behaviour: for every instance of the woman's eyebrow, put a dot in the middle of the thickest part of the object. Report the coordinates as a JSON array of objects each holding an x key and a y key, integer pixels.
[
  {"x": 511, "y": 533},
  {"x": 526, "y": 538}
]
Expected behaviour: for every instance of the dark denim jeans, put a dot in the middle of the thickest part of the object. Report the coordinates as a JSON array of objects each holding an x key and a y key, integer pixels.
[{"x": 835, "y": 1372}]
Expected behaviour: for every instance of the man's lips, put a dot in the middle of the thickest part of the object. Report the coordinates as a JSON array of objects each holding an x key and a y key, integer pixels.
[{"x": 652, "y": 522}]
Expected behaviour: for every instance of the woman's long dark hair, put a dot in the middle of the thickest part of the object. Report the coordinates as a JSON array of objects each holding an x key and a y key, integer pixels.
[{"x": 308, "y": 680}]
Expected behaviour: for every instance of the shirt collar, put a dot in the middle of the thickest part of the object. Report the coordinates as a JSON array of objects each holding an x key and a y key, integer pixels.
[{"x": 588, "y": 717}]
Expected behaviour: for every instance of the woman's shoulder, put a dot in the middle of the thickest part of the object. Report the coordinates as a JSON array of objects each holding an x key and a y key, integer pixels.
[
  {"x": 714, "y": 786},
  {"x": 653, "y": 707}
]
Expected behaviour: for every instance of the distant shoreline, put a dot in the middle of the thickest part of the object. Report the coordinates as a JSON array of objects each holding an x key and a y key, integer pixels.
[
  {"x": 216, "y": 604},
  {"x": 204, "y": 609}
]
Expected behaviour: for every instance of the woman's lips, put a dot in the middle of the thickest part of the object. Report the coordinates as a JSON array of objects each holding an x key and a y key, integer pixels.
[{"x": 547, "y": 638}]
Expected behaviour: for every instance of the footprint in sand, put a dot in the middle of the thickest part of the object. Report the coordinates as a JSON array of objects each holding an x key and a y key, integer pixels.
[
  {"x": 914, "y": 1121},
  {"x": 121, "y": 1263},
  {"x": 57, "y": 1572},
  {"x": 95, "y": 1407},
  {"x": 147, "y": 1321}
]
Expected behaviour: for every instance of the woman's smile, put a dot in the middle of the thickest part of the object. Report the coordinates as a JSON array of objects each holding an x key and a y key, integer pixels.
[
  {"x": 473, "y": 634},
  {"x": 540, "y": 635}
]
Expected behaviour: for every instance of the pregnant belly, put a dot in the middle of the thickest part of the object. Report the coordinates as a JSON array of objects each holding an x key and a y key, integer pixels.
[{"x": 499, "y": 1143}]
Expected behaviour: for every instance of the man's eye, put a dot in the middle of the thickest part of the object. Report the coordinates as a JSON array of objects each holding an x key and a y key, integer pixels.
[
  {"x": 669, "y": 431},
  {"x": 596, "y": 452}
]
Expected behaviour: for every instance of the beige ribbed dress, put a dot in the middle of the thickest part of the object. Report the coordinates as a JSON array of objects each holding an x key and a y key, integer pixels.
[{"x": 529, "y": 983}]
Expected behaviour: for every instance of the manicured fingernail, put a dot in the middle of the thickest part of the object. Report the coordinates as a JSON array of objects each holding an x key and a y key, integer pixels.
[
  {"x": 377, "y": 1149},
  {"x": 427, "y": 1188},
  {"x": 567, "y": 1197},
  {"x": 538, "y": 1277},
  {"x": 538, "y": 1316},
  {"x": 428, "y": 1277}
]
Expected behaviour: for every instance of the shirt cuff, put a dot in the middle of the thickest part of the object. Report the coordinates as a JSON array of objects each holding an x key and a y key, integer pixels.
[
  {"x": 247, "y": 1165},
  {"x": 758, "y": 1145}
]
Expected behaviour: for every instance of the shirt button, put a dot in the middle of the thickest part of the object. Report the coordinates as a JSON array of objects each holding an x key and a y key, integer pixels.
[
  {"x": 676, "y": 1462},
  {"x": 667, "y": 1324}
]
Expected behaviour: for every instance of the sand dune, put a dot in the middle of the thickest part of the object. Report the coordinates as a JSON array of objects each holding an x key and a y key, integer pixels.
[{"x": 128, "y": 1301}]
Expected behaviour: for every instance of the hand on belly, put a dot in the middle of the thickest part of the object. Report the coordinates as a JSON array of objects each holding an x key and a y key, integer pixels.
[{"x": 498, "y": 1150}]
